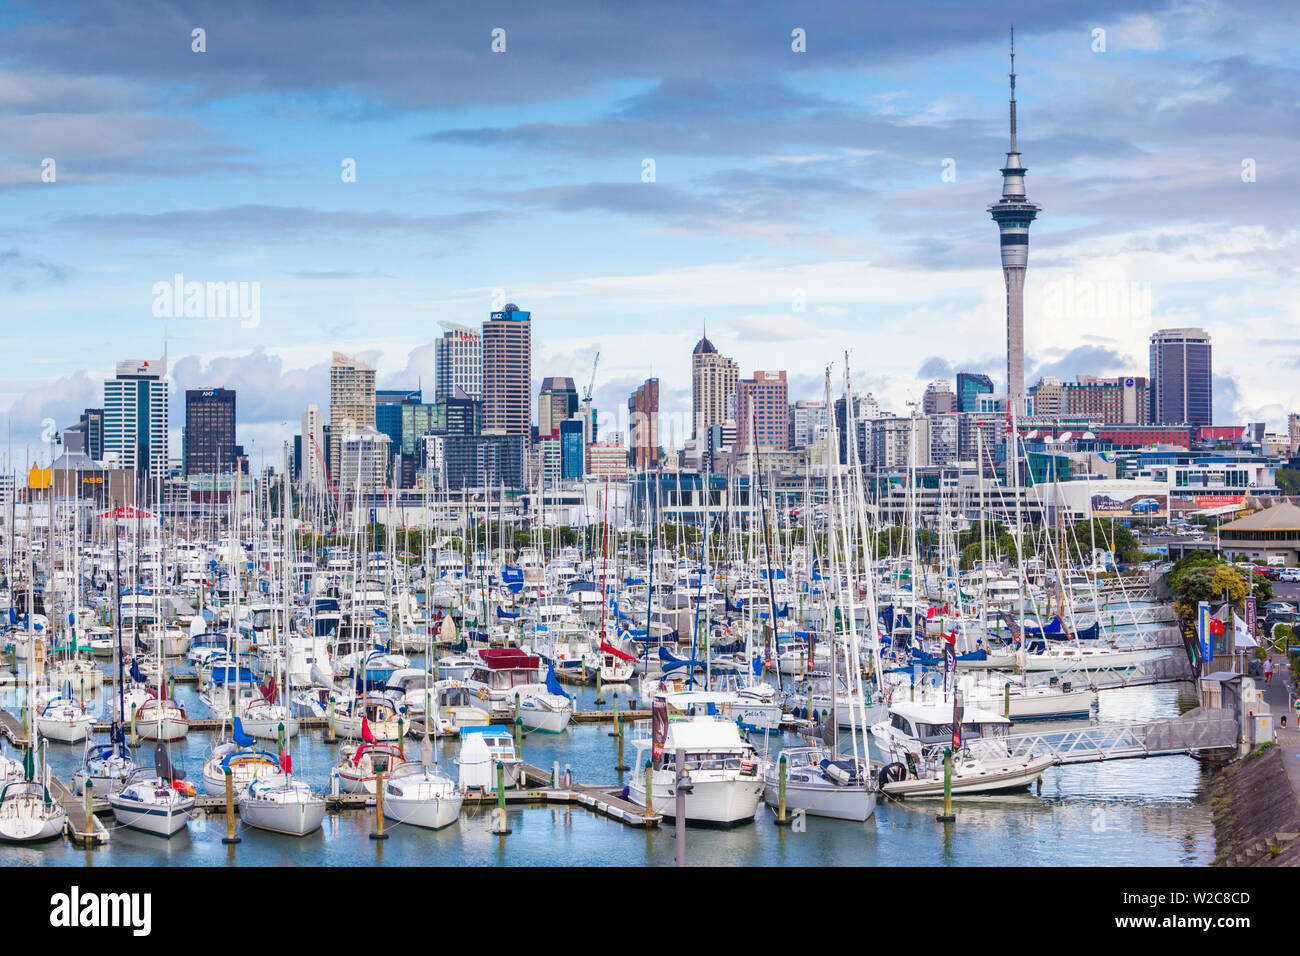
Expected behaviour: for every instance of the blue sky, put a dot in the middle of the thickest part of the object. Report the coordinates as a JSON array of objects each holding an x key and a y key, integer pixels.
[{"x": 780, "y": 177}]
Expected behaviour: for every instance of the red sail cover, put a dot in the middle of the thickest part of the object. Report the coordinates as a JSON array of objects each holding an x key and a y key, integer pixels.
[
  {"x": 957, "y": 711},
  {"x": 366, "y": 734},
  {"x": 659, "y": 720},
  {"x": 611, "y": 649},
  {"x": 286, "y": 763}
]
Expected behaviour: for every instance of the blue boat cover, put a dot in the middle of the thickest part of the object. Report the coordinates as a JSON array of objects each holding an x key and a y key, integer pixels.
[{"x": 239, "y": 736}]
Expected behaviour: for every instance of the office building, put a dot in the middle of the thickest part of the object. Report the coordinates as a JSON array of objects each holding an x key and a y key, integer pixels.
[
  {"x": 763, "y": 405},
  {"x": 135, "y": 422},
  {"x": 458, "y": 361},
  {"x": 939, "y": 398},
  {"x": 557, "y": 402},
  {"x": 1181, "y": 389},
  {"x": 971, "y": 385},
  {"x": 643, "y": 425},
  {"x": 507, "y": 372},
  {"x": 209, "y": 431}
]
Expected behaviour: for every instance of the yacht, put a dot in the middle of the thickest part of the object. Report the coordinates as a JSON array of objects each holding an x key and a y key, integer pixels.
[
  {"x": 722, "y": 767},
  {"x": 423, "y": 795}
]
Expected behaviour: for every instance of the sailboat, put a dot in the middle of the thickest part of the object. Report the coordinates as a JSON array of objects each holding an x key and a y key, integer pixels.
[
  {"x": 423, "y": 794},
  {"x": 155, "y": 799}
]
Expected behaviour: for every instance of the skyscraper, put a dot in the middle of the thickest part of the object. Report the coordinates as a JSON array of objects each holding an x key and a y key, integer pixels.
[
  {"x": 352, "y": 403},
  {"x": 713, "y": 382},
  {"x": 643, "y": 425},
  {"x": 1181, "y": 382},
  {"x": 556, "y": 403},
  {"x": 939, "y": 398},
  {"x": 1013, "y": 213},
  {"x": 313, "y": 450},
  {"x": 970, "y": 386},
  {"x": 507, "y": 373},
  {"x": 763, "y": 403},
  {"x": 209, "y": 431},
  {"x": 458, "y": 361},
  {"x": 135, "y": 418}
]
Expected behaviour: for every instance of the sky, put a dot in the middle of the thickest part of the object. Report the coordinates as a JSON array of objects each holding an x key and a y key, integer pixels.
[{"x": 633, "y": 174}]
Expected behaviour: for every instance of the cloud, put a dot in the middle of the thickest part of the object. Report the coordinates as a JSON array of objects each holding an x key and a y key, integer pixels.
[
  {"x": 775, "y": 327},
  {"x": 1083, "y": 360},
  {"x": 936, "y": 367},
  {"x": 20, "y": 269}
]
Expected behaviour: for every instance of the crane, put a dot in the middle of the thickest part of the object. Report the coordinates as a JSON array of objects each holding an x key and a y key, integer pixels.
[{"x": 586, "y": 396}]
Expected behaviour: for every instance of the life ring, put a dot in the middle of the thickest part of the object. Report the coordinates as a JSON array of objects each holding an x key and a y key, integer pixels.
[{"x": 483, "y": 693}]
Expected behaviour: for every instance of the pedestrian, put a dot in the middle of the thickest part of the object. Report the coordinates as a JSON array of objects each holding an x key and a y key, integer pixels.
[{"x": 1268, "y": 671}]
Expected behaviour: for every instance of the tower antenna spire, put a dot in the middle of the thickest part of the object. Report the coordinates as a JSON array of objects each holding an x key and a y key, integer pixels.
[{"x": 1013, "y": 88}]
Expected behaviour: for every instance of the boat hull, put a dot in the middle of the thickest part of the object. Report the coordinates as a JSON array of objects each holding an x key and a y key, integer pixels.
[
  {"x": 160, "y": 821},
  {"x": 293, "y": 819},
  {"x": 433, "y": 814},
  {"x": 837, "y": 803}
]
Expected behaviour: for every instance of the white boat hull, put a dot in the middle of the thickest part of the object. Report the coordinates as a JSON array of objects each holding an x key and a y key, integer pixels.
[
  {"x": 716, "y": 802},
  {"x": 160, "y": 821},
  {"x": 433, "y": 813},
  {"x": 837, "y": 803},
  {"x": 293, "y": 819}
]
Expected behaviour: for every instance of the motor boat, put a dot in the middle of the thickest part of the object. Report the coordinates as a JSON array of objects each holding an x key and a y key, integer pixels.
[
  {"x": 481, "y": 749},
  {"x": 722, "y": 767}
]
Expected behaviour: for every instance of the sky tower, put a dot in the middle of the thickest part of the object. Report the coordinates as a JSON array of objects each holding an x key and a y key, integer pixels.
[{"x": 1013, "y": 213}]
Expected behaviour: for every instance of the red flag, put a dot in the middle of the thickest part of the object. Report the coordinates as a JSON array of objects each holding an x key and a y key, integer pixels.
[
  {"x": 951, "y": 638},
  {"x": 930, "y": 612},
  {"x": 286, "y": 763},
  {"x": 366, "y": 733},
  {"x": 1216, "y": 626}
]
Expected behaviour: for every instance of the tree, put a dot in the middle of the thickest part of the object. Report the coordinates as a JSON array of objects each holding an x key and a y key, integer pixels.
[
  {"x": 1288, "y": 480},
  {"x": 1106, "y": 535},
  {"x": 1209, "y": 582}
]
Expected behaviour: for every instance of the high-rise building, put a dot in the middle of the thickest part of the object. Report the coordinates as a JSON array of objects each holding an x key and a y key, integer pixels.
[
  {"x": 1181, "y": 389},
  {"x": 135, "y": 420},
  {"x": 970, "y": 386},
  {"x": 1111, "y": 401},
  {"x": 643, "y": 425},
  {"x": 572, "y": 449},
  {"x": 1013, "y": 213},
  {"x": 507, "y": 372},
  {"x": 352, "y": 403},
  {"x": 209, "y": 431},
  {"x": 939, "y": 398},
  {"x": 313, "y": 450},
  {"x": 364, "y": 457},
  {"x": 808, "y": 421},
  {"x": 713, "y": 385},
  {"x": 557, "y": 402},
  {"x": 763, "y": 402},
  {"x": 390, "y": 404},
  {"x": 944, "y": 437},
  {"x": 1293, "y": 431},
  {"x": 458, "y": 361}
]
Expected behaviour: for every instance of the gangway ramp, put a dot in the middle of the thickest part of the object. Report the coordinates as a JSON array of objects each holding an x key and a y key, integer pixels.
[{"x": 1197, "y": 730}]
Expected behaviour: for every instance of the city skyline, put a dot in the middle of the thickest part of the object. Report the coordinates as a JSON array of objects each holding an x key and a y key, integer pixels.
[{"x": 739, "y": 229}]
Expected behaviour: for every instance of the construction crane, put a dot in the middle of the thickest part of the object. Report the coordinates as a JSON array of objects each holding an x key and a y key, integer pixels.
[{"x": 586, "y": 396}]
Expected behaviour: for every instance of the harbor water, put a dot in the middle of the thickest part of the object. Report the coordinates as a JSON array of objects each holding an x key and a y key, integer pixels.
[{"x": 1128, "y": 812}]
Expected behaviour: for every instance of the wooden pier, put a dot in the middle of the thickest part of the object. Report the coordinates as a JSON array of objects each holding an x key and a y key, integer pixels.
[{"x": 75, "y": 808}]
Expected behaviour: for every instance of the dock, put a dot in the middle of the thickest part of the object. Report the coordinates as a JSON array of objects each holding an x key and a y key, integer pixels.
[{"x": 75, "y": 808}]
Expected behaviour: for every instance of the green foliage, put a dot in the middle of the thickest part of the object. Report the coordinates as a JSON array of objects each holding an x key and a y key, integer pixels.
[
  {"x": 1107, "y": 535},
  {"x": 1288, "y": 480}
]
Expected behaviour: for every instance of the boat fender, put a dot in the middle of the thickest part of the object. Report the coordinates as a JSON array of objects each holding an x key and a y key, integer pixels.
[{"x": 892, "y": 773}]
